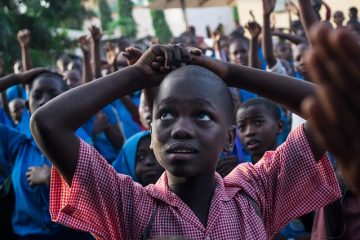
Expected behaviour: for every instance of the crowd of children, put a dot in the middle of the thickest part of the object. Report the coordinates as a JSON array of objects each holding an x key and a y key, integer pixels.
[{"x": 188, "y": 141}]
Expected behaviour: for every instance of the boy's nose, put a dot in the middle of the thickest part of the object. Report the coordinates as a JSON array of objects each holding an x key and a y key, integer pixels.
[
  {"x": 250, "y": 130},
  {"x": 182, "y": 129}
]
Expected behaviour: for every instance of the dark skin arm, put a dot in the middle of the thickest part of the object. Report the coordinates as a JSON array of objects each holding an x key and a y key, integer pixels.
[
  {"x": 267, "y": 45},
  {"x": 285, "y": 90},
  {"x": 96, "y": 35},
  {"x": 24, "y": 38},
  {"x": 21, "y": 78},
  {"x": 307, "y": 15},
  {"x": 254, "y": 30},
  {"x": 54, "y": 126},
  {"x": 85, "y": 45},
  {"x": 334, "y": 111},
  {"x": 112, "y": 132},
  {"x": 5, "y": 102},
  {"x": 292, "y": 38}
]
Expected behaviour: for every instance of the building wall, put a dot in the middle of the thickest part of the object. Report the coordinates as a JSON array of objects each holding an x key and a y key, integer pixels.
[
  {"x": 198, "y": 17},
  {"x": 244, "y": 6}
]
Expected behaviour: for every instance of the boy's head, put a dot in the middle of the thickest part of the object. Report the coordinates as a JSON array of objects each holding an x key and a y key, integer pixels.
[
  {"x": 258, "y": 123},
  {"x": 43, "y": 88},
  {"x": 283, "y": 50},
  {"x": 298, "y": 28},
  {"x": 339, "y": 18},
  {"x": 353, "y": 13},
  {"x": 239, "y": 51},
  {"x": 192, "y": 121},
  {"x": 16, "y": 107},
  {"x": 75, "y": 64},
  {"x": 299, "y": 63},
  {"x": 62, "y": 62},
  {"x": 147, "y": 168},
  {"x": 73, "y": 78}
]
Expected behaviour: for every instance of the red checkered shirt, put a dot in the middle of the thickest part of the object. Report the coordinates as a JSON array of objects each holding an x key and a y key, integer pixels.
[{"x": 252, "y": 202}]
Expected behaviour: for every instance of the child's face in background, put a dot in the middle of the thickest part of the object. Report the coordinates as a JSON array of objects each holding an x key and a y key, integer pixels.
[
  {"x": 189, "y": 127},
  {"x": 283, "y": 51},
  {"x": 339, "y": 18},
  {"x": 16, "y": 107},
  {"x": 258, "y": 130},
  {"x": 43, "y": 90},
  {"x": 73, "y": 78},
  {"x": 299, "y": 63},
  {"x": 239, "y": 52},
  {"x": 147, "y": 169}
]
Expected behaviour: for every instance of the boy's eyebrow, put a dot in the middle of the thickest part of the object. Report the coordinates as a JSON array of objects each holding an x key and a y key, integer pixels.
[
  {"x": 251, "y": 117},
  {"x": 199, "y": 101}
]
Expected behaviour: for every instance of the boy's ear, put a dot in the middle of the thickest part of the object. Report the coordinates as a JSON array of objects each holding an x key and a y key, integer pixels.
[
  {"x": 230, "y": 139},
  {"x": 27, "y": 106},
  {"x": 280, "y": 126}
]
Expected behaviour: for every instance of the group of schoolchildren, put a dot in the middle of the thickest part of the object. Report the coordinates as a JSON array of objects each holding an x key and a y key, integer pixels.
[{"x": 202, "y": 149}]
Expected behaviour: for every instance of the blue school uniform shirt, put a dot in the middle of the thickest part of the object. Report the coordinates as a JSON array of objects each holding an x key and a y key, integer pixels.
[
  {"x": 17, "y": 91},
  {"x": 4, "y": 118},
  {"x": 100, "y": 141},
  {"x": 125, "y": 163},
  {"x": 128, "y": 126},
  {"x": 10, "y": 142}
]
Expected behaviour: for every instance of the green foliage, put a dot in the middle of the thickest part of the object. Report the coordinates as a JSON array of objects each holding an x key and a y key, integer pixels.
[
  {"x": 42, "y": 20},
  {"x": 162, "y": 30},
  {"x": 105, "y": 14},
  {"x": 235, "y": 14},
  {"x": 126, "y": 21}
]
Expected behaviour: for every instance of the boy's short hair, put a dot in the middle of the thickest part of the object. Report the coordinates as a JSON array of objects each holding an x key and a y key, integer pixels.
[
  {"x": 52, "y": 75},
  {"x": 260, "y": 101},
  {"x": 197, "y": 72}
]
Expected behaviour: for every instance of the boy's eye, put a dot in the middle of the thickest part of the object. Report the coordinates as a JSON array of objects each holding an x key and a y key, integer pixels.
[
  {"x": 140, "y": 157},
  {"x": 258, "y": 123},
  {"x": 203, "y": 117},
  {"x": 166, "y": 116},
  {"x": 241, "y": 127}
]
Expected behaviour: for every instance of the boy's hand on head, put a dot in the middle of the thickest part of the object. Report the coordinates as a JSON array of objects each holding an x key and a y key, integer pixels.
[
  {"x": 24, "y": 37},
  {"x": 334, "y": 112},
  {"x": 27, "y": 76},
  {"x": 132, "y": 55},
  {"x": 38, "y": 175},
  {"x": 111, "y": 53},
  {"x": 254, "y": 29},
  {"x": 96, "y": 33},
  {"x": 84, "y": 43},
  {"x": 268, "y": 6},
  {"x": 159, "y": 60}
]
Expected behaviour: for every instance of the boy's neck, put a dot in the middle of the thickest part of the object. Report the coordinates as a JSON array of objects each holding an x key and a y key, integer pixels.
[{"x": 196, "y": 192}]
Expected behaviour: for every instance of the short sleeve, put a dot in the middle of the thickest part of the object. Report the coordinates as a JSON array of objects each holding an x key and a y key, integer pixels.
[
  {"x": 287, "y": 183},
  {"x": 99, "y": 200}
]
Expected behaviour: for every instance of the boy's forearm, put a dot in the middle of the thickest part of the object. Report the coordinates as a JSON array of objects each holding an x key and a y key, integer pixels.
[
  {"x": 253, "y": 56},
  {"x": 292, "y": 38},
  {"x": 267, "y": 42},
  {"x": 87, "y": 72},
  {"x": 5, "y": 102},
  {"x": 307, "y": 15},
  {"x": 96, "y": 59},
  {"x": 94, "y": 96},
  {"x": 25, "y": 58},
  {"x": 8, "y": 81},
  {"x": 285, "y": 90},
  {"x": 113, "y": 133}
]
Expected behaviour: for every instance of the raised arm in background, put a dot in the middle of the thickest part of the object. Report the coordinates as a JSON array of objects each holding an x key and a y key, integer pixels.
[
  {"x": 24, "y": 37},
  {"x": 85, "y": 45},
  {"x": 267, "y": 44},
  {"x": 254, "y": 29},
  {"x": 96, "y": 35}
]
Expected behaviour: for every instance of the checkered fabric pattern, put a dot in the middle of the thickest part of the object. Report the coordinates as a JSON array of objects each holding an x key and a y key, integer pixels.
[{"x": 252, "y": 202}]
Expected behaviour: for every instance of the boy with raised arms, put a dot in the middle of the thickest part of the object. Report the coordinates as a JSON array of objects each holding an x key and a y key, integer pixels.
[{"x": 191, "y": 127}]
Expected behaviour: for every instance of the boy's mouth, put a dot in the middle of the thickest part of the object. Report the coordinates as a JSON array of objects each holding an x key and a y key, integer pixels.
[
  {"x": 252, "y": 144},
  {"x": 182, "y": 148}
]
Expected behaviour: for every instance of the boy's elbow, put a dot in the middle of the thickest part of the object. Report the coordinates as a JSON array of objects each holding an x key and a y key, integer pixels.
[{"x": 40, "y": 124}]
